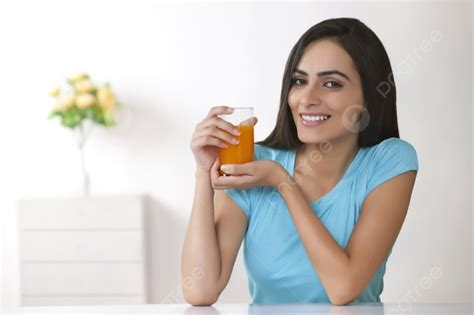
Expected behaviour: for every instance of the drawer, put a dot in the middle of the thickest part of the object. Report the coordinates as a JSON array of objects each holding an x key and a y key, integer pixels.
[
  {"x": 82, "y": 245},
  {"x": 107, "y": 212},
  {"x": 82, "y": 279}
]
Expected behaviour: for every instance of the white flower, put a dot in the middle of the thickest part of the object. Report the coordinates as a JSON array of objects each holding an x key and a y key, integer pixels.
[
  {"x": 106, "y": 98},
  {"x": 78, "y": 76},
  {"x": 64, "y": 102},
  {"x": 85, "y": 100},
  {"x": 84, "y": 86},
  {"x": 55, "y": 92}
]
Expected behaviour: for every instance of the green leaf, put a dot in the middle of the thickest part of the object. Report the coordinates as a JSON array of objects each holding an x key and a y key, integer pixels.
[
  {"x": 98, "y": 117},
  {"x": 54, "y": 114},
  {"x": 109, "y": 119},
  {"x": 88, "y": 112},
  {"x": 72, "y": 117}
]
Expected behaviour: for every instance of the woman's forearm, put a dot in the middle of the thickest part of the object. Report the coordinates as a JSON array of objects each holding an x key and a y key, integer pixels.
[
  {"x": 201, "y": 263},
  {"x": 330, "y": 261}
]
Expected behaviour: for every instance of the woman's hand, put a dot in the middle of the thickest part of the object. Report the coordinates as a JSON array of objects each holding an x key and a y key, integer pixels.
[
  {"x": 248, "y": 175},
  {"x": 209, "y": 137}
]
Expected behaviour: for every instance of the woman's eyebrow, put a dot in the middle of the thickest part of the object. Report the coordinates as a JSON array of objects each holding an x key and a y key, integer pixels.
[{"x": 324, "y": 73}]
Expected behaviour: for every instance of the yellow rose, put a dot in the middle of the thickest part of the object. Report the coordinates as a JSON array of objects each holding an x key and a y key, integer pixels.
[
  {"x": 64, "y": 102},
  {"x": 106, "y": 98},
  {"x": 84, "y": 86},
  {"x": 78, "y": 76},
  {"x": 55, "y": 92},
  {"x": 85, "y": 100}
]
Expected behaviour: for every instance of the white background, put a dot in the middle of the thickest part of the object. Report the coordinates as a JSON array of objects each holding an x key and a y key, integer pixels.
[{"x": 169, "y": 63}]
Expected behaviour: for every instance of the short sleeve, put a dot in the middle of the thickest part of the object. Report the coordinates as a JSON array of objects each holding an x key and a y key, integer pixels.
[
  {"x": 392, "y": 157},
  {"x": 241, "y": 198}
]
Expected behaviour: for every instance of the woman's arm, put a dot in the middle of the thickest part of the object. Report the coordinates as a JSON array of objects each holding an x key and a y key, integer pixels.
[
  {"x": 345, "y": 273},
  {"x": 216, "y": 226},
  {"x": 213, "y": 238}
]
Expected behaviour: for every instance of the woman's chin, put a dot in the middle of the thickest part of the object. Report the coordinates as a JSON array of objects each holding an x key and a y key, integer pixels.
[{"x": 312, "y": 139}]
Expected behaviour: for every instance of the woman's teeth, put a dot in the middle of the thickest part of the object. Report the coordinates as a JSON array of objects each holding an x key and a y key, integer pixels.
[{"x": 314, "y": 118}]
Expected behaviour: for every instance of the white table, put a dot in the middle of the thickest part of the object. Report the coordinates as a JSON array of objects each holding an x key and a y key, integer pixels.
[{"x": 385, "y": 308}]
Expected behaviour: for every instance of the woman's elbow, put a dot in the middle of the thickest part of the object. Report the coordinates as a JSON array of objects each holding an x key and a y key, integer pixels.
[
  {"x": 342, "y": 296},
  {"x": 339, "y": 301},
  {"x": 200, "y": 298}
]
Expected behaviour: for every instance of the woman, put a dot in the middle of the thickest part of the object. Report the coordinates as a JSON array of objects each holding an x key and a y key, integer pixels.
[{"x": 322, "y": 204}]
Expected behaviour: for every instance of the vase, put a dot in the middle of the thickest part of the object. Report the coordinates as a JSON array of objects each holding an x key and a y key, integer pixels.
[{"x": 82, "y": 134}]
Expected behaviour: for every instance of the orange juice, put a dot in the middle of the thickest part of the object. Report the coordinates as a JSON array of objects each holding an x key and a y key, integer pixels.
[{"x": 241, "y": 152}]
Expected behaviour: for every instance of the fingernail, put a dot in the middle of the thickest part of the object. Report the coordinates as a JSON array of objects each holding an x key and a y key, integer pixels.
[
  {"x": 224, "y": 168},
  {"x": 235, "y": 140},
  {"x": 236, "y": 132}
]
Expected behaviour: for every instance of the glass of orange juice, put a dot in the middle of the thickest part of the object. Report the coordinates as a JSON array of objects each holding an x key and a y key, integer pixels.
[{"x": 241, "y": 152}]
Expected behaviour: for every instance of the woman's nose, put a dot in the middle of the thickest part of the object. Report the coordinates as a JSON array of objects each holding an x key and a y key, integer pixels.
[{"x": 310, "y": 96}]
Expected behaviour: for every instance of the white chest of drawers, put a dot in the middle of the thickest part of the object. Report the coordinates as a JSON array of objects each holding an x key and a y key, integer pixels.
[{"x": 79, "y": 251}]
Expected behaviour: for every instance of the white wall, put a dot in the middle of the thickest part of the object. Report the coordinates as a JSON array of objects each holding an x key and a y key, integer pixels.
[{"x": 170, "y": 62}]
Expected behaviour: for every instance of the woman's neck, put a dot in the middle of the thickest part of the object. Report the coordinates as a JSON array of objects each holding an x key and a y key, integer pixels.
[{"x": 328, "y": 160}]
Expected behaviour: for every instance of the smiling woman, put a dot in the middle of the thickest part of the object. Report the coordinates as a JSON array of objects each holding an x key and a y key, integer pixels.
[{"x": 322, "y": 204}]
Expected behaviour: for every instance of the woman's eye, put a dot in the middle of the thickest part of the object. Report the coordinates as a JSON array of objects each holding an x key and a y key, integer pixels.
[
  {"x": 330, "y": 84},
  {"x": 297, "y": 81},
  {"x": 334, "y": 84}
]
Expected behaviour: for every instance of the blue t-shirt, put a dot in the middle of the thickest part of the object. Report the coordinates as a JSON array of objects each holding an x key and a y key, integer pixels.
[{"x": 278, "y": 268}]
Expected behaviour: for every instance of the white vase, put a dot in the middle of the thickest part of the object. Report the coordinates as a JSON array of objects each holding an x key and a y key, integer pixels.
[{"x": 82, "y": 133}]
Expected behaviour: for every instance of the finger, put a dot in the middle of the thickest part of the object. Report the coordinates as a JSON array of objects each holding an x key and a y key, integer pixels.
[
  {"x": 230, "y": 182},
  {"x": 219, "y": 110},
  {"x": 207, "y": 140},
  {"x": 219, "y": 123},
  {"x": 238, "y": 169},
  {"x": 215, "y": 172},
  {"x": 217, "y": 133},
  {"x": 227, "y": 126},
  {"x": 252, "y": 121}
]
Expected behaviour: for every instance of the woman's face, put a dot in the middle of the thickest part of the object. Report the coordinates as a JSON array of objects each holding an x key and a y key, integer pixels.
[{"x": 325, "y": 82}]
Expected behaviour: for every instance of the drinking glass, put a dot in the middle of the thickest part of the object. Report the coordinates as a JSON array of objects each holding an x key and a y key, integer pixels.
[{"x": 241, "y": 152}]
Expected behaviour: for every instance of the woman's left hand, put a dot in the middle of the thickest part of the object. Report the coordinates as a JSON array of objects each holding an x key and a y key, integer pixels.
[{"x": 248, "y": 175}]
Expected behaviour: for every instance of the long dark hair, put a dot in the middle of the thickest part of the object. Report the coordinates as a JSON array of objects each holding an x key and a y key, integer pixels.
[{"x": 373, "y": 65}]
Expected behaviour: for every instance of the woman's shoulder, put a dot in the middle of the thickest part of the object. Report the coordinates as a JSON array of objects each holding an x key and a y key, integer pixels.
[
  {"x": 393, "y": 146},
  {"x": 393, "y": 150}
]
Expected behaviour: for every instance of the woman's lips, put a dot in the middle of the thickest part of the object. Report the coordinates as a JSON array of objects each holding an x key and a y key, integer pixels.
[{"x": 314, "y": 123}]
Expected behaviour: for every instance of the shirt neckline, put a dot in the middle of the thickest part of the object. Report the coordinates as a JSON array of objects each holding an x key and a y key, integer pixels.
[{"x": 347, "y": 174}]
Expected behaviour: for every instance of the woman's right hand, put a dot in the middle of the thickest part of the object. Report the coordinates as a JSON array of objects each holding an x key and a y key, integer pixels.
[{"x": 210, "y": 135}]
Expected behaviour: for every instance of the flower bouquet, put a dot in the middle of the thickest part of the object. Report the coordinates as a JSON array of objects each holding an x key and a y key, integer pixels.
[{"x": 80, "y": 105}]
